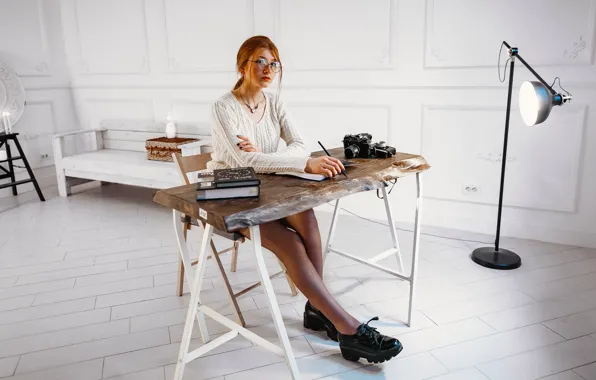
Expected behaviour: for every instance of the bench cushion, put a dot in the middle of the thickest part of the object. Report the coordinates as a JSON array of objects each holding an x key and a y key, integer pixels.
[{"x": 121, "y": 166}]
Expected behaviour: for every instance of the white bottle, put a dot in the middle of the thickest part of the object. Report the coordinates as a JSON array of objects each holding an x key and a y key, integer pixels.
[{"x": 170, "y": 127}]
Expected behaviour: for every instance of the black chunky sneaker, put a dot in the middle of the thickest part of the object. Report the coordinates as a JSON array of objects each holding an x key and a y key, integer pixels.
[
  {"x": 369, "y": 344},
  {"x": 315, "y": 320}
]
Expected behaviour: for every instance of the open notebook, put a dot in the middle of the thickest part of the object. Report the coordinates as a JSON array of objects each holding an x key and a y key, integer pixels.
[
  {"x": 315, "y": 177},
  {"x": 309, "y": 176}
]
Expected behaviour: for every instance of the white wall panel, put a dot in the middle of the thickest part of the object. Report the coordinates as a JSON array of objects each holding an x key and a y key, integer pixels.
[
  {"x": 187, "y": 111},
  {"x": 31, "y": 41},
  {"x": 47, "y": 112},
  {"x": 329, "y": 123},
  {"x": 23, "y": 37},
  {"x": 36, "y": 128},
  {"x": 465, "y": 146},
  {"x": 205, "y": 35},
  {"x": 335, "y": 34},
  {"x": 464, "y": 33},
  {"x": 418, "y": 74},
  {"x": 112, "y": 36},
  {"x": 123, "y": 109}
]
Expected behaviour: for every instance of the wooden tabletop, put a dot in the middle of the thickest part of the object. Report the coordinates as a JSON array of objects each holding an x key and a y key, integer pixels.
[{"x": 281, "y": 196}]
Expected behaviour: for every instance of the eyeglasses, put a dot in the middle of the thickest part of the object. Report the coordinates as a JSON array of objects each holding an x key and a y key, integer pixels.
[{"x": 262, "y": 63}]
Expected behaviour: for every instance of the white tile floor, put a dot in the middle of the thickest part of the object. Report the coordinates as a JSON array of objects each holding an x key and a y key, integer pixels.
[{"x": 87, "y": 292}]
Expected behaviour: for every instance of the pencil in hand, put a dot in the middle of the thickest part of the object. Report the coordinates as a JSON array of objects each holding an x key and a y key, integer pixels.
[{"x": 327, "y": 153}]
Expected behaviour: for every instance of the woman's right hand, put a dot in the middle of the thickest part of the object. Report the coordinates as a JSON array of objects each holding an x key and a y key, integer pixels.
[{"x": 329, "y": 166}]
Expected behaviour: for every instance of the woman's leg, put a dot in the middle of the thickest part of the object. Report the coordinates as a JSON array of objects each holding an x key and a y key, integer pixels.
[
  {"x": 306, "y": 225},
  {"x": 289, "y": 248}
]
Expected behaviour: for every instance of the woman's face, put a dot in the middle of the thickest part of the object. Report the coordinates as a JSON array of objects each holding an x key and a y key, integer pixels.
[{"x": 262, "y": 68}]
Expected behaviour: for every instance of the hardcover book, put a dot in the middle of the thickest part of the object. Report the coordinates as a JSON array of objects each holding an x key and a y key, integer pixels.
[
  {"x": 236, "y": 177},
  {"x": 230, "y": 192},
  {"x": 228, "y": 183},
  {"x": 227, "y": 178}
]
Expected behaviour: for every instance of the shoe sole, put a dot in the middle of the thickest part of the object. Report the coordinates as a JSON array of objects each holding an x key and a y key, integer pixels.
[
  {"x": 318, "y": 325},
  {"x": 354, "y": 355}
]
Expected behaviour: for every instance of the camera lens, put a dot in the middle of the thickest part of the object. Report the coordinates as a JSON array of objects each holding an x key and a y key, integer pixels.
[{"x": 351, "y": 151}]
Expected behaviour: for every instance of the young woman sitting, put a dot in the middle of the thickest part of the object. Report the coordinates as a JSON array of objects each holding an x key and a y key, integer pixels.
[{"x": 247, "y": 126}]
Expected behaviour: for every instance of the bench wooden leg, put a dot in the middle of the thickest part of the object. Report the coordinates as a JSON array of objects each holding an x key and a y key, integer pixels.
[
  {"x": 231, "y": 295},
  {"x": 289, "y": 279},
  {"x": 180, "y": 283},
  {"x": 235, "y": 256},
  {"x": 63, "y": 189}
]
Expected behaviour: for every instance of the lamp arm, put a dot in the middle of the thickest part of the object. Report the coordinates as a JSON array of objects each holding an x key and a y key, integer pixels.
[{"x": 514, "y": 52}]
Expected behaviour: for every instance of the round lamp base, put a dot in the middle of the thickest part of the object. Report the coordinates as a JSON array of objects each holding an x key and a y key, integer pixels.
[{"x": 502, "y": 259}]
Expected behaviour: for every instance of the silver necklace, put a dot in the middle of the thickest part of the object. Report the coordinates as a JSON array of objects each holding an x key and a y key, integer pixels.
[{"x": 252, "y": 110}]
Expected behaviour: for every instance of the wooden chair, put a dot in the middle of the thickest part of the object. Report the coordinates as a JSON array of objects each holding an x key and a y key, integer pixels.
[{"x": 194, "y": 163}]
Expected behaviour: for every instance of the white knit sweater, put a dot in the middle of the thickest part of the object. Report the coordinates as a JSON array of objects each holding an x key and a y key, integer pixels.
[{"x": 230, "y": 120}]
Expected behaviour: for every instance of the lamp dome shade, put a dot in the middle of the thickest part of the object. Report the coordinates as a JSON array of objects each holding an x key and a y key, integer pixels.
[{"x": 535, "y": 102}]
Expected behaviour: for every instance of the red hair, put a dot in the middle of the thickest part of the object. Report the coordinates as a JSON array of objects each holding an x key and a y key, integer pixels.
[{"x": 248, "y": 49}]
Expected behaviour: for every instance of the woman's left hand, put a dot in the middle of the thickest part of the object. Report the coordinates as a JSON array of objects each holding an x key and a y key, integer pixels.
[{"x": 246, "y": 145}]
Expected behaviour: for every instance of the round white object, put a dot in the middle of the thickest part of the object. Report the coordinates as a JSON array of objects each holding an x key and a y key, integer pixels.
[
  {"x": 170, "y": 130},
  {"x": 12, "y": 94}
]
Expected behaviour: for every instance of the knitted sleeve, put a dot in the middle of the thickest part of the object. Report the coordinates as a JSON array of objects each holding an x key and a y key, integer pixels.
[
  {"x": 224, "y": 133},
  {"x": 295, "y": 143}
]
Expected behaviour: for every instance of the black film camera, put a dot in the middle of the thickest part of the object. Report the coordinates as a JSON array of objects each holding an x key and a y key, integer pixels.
[{"x": 360, "y": 146}]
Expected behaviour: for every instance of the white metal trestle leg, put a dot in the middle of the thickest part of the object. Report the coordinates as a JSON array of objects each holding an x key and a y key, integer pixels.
[
  {"x": 331, "y": 233},
  {"x": 195, "y": 279},
  {"x": 197, "y": 310},
  {"x": 393, "y": 233},
  {"x": 372, "y": 262},
  {"x": 255, "y": 236},
  {"x": 416, "y": 246}
]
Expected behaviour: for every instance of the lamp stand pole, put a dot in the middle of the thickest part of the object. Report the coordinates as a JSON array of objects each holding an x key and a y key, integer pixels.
[{"x": 499, "y": 258}]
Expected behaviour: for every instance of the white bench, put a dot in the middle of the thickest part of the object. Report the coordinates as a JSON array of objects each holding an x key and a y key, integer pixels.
[{"x": 116, "y": 153}]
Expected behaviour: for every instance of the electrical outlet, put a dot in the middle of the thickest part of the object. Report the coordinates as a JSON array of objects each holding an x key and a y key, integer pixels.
[
  {"x": 44, "y": 156},
  {"x": 470, "y": 189}
]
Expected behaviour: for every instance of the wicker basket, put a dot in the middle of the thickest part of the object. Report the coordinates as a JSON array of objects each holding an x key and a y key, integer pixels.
[{"x": 161, "y": 148}]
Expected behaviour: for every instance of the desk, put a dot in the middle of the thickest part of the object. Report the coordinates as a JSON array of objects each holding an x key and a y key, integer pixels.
[{"x": 282, "y": 196}]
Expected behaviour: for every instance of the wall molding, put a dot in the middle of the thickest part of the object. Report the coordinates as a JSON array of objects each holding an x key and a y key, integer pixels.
[
  {"x": 83, "y": 62},
  {"x": 53, "y": 111},
  {"x": 44, "y": 67},
  {"x": 385, "y": 108},
  {"x": 89, "y": 101},
  {"x": 330, "y": 101},
  {"x": 577, "y": 158},
  {"x": 171, "y": 61},
  {"x": 428, "y": 34},
  {"x": 177, "y": 102},
  {"x": 390, "y": 49},
  {"x": 27, "y": 138},
  {"x": 227, "y": 85}
]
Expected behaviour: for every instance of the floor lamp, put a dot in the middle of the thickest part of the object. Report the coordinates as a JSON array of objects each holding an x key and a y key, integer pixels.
[{"x": 536, "y": 99}]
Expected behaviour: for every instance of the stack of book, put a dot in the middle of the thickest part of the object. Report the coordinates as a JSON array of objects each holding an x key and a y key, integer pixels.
[{"x": 228, "y": 183}]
